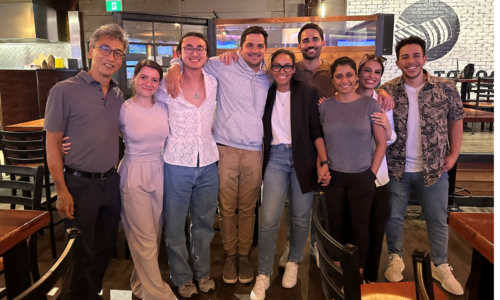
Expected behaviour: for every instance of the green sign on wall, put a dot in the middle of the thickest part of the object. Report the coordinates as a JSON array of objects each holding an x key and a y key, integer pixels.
[{"x": 114, "y": 5}]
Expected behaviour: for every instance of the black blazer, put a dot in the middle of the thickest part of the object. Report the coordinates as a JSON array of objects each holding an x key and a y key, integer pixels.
[{"x": 306, "y": 128}]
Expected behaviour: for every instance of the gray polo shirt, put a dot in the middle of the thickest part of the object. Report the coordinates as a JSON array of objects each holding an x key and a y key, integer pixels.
[{"x": 78, "y": 108}]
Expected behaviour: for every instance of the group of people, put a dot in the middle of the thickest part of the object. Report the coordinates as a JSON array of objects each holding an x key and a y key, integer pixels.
[{"x": 270, "y": 129}]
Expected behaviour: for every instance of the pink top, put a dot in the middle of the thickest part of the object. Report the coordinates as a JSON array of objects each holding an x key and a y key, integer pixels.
[{"x": 144, "y": 129}]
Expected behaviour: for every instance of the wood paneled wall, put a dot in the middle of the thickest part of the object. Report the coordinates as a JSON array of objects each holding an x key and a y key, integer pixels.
[
  {"x": 18, "y": 97},
  {"x": 23, "y": 93}
]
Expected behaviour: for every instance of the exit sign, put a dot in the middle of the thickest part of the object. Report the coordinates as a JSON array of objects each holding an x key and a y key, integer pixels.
[{"x": 114, "y": 5}]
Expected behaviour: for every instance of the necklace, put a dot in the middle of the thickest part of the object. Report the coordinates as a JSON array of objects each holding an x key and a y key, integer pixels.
[
  {"x": 195, "y": 92},
  {"x": 286, "y": 98}
]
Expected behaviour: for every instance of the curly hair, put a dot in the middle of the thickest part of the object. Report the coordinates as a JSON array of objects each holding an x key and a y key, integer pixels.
[{"x": 408, "y": 41}]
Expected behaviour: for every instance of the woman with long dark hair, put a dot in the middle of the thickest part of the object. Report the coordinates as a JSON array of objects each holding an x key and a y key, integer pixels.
[
  {"x": 370, "y": 71},
  {"x": 292, "y": 141},
  {"x": 349, "y": 129}
]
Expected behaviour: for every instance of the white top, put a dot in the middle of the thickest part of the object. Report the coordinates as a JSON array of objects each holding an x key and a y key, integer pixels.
[
  {"x": 280, "y": 119},
  {"x": 144, "y": 130},
  {"x": 383, "y": 172},
  {"x": 190, "y": 127},
  {"x": 414, "y": 140}
]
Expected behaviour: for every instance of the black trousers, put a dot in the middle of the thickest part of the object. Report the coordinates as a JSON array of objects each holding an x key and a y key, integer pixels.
[
  {"x": 351, "y": 194},
  {"x": 378, "y": 218},
  {"x": 97, "y": 215}
]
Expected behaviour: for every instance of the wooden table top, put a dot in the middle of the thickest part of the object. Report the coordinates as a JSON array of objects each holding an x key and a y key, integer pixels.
[
  {"x": 477, "y": 229},
  {"x": 35, "y": 125},
  {"x": 476, "y": 115},
  {"x": 464, "y": 80},
  {"x": 395, "y": 291},
  {"x": 18, "y": 225}
]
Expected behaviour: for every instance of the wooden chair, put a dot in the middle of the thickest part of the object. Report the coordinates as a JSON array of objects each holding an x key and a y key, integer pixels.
[
  {"x": 468, "y": 74},
  {"x": 63, "y": 268},
  {"x": 33, "y": 202},
  {"x": 343, "y": 283},
  {"x": 484, "y": 97},
  {"x": 28, "y": 149}
]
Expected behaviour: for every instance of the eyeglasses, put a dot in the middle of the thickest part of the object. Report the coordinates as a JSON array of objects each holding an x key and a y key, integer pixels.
[
  {"x": 380, "y": 59},
  {"x": 106, "y": 50},
  {"x": 276, "y": 68},
  {"x": 190, "y": 50}
]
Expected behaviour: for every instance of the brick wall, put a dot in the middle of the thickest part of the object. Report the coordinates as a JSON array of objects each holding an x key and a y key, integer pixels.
[{"x": 444, "y": 22}]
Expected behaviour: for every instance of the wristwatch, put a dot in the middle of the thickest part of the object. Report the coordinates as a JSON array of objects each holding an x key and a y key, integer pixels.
[{"x": 326, "y": 162}]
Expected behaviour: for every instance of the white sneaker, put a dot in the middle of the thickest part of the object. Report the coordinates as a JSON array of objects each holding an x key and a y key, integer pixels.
[
  {"x": 284, "y": 257},
  {"x": 260, "y": 287},
  {"x": 442, "y": 273},
  {"x": 315, "y": 253},
  {"x": 290, "y": 276},
  {"x": 394, "y": 269}
]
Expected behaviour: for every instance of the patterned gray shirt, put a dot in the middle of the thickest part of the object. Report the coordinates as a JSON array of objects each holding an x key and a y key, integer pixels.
[{"x": 438, "y": 103}]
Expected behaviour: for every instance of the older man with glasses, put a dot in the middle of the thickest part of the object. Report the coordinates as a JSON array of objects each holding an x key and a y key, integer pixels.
[{"x": 86, "y": 108}]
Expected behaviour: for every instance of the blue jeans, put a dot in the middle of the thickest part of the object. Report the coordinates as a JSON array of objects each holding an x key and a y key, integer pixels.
[
  {"x": 289, "y": 221},
  {"x": 434, "y": 202},
  {"x": 279, "y": 177},
  {"x": 194, "y": 190}
]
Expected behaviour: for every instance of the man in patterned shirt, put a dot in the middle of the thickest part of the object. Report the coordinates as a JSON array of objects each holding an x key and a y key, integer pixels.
[{"x": 428, "y": 115}]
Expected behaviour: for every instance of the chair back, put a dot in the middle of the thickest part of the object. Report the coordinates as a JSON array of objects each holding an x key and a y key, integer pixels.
[
  {"x": 15, "y": 147},
  {"x": 31, "y": 195},
  {"x": 63, "y": 268},
  {"x": 333, "y": 277},
  {"x": 422, "y": 274},
  {"x": 31, "y": 189},
  {"x": 485, "y": 90},
  {"x": 469, "y": 71}
]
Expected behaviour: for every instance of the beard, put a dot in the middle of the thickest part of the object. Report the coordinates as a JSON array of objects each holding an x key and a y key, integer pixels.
[{"x": 306, "y": 55}]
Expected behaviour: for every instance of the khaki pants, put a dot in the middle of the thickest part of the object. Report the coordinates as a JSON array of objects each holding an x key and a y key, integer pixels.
[{"x": 240, "y": 180}]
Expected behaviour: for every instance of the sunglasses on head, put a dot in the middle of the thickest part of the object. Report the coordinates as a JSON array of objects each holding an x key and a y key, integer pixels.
[{"x": 380, "y": 59}]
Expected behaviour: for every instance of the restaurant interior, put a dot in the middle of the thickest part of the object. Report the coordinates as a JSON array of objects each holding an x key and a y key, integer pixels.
[{"x": 43, "y": 42}]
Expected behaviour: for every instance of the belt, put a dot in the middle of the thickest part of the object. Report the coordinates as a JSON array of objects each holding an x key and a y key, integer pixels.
[{"x": 102, "y": 176}]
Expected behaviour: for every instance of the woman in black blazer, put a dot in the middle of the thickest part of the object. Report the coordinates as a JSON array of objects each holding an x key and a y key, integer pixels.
[{"x": 292, "y": 140}]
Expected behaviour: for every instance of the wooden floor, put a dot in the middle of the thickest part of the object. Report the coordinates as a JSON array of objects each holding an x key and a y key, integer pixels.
[
  {"x": 309, "y": 282},
  {"x": 480, "y": 142}
]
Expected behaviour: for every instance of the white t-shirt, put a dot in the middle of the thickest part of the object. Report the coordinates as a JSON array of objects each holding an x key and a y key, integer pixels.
[
  {"x": 414, "y": 139},
  {"x": 280, "y": 119},
  {"x": 383, "y": 172}
]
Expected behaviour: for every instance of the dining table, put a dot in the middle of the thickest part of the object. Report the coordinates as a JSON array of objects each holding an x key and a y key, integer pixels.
[
  {"x": 15, "y": 228},
  {"x": 477, "y": 229},
  {"x": 464, "y": 82},
  {"x": 35, "y": 125},
  {"x": 476, "y": 115}
]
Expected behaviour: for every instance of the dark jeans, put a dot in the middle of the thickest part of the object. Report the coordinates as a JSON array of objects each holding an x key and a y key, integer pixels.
[
  {"x": 351, "y": 193},
  {"x": 97, "y": 214},
  {"x": 378, "y": 218}
]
